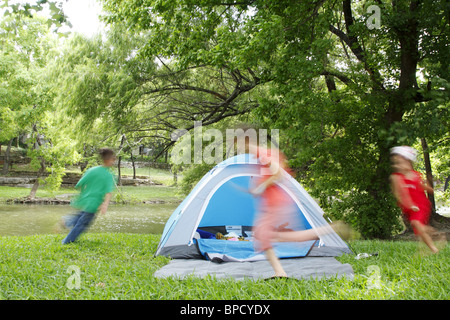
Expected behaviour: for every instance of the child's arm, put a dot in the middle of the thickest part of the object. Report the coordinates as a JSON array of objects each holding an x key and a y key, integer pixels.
[
  {"x": 104, "y": 206},
  {"x": 109, "y": 188},
  {"x": 276, "y": 174},
  {"x": 427, "y": 187},
  {"x": 82, "y": 182},
  {"x": 399, "y": 192}
]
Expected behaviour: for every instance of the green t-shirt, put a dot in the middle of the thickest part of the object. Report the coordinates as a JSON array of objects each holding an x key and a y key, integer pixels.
[{"x": 94, "y": 185}]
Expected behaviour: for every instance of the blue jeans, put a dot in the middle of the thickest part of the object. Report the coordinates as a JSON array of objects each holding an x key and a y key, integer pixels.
[{"x": 80, "y": 222}]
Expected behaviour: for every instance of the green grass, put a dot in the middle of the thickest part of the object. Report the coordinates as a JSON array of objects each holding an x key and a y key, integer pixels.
[
  {"x": 158, "y": 175},
  {"x": 152, "y": 193},
  {"x": 130, "y": 193},
  {"x": 121, "y": 266},
  {"x": 165, "y": 192},
  {"x": 19, "y": 192}
]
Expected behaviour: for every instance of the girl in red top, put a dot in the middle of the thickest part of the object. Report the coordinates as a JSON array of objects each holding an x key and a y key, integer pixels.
[
  {"x": 275, "y": 206},
  {"x": 276, "y": 209},
  {"x": 409, "y": 190}
]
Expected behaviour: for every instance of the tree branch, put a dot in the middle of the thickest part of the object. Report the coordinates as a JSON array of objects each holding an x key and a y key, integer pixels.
[
  {"x": 352, "y": 42},
  {"x": 341, "y": 77}
]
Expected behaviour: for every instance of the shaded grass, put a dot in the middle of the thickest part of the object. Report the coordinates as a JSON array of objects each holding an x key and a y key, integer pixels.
[{"x": 121, "y": 266}]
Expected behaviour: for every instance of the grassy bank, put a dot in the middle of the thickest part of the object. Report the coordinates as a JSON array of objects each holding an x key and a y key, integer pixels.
[
  {"x": 19, "y": 192},
  {"x": 164, "y": 192},
  {"x": 126, "y": 193},
  {"x": 121, "y": 266},
  {"x": 157, "y": 175}
]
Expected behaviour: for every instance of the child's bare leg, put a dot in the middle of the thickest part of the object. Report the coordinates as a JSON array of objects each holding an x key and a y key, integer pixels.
[
  {"x": 313, "y": 234},
  {"x": 297, "y": 236},
  {"x": 422, "y": 232},
  {"x": 275, "y": 263}
]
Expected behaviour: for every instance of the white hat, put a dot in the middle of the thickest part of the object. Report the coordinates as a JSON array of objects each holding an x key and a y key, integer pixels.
[{"x": 406, "y": 152}]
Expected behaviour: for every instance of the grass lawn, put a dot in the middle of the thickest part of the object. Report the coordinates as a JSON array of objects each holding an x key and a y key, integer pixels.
[
  {"x": 165, "y": 192},
  {"x": 143, "y": 193},
  {"x": 158, "y": 175},
  {"x": 130, "y": 193},
  {"x": 19, "y": 192},
  {"x": 121, "y": 266}
]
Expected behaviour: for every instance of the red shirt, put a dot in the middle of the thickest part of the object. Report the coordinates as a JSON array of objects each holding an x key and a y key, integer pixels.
[
  {"x": 413, "y": 187},
  {"x": 273, "y": 194}
]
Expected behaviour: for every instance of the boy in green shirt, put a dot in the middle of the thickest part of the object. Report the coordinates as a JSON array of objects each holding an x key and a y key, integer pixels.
[{"x": 96, "y": 186}]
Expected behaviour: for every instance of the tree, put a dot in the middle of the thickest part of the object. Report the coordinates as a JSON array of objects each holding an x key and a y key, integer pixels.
[
  {"x": 28, "y": 100},
  {"x": 29, "y": 10},
  {"x": 22, "y": 55},
  {"x": 53, "y": 149},
  {"x": 97, "y": 82},
  {"x": 342, "y": 93},
  {"x": 109, "y": 80}
]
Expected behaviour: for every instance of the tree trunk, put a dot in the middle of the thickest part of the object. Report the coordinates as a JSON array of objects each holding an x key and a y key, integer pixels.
[
  {"x": 6, "y": 165},
  {"x": 175, "y": 178},
  {"x": 83, "y": 164},
  {"x": 119, "y": 174},
  {"x": 132, "y": 162},
  {"x": 35, "y": 186},
  {"x": 38, "y": 144},
  {"x": 119, "y": 178},
  {"x": 429, "y": 174}
]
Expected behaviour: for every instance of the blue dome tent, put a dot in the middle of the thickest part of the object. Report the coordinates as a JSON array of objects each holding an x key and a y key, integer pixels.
[{"x": 218, "y": 204}]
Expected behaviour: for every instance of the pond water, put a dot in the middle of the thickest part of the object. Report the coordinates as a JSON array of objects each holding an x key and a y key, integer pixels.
[{"x": 18, "y": 220}]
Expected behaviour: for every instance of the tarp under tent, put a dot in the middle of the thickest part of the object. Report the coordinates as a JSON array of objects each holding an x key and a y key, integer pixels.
[{"x": 218, "y": 204}]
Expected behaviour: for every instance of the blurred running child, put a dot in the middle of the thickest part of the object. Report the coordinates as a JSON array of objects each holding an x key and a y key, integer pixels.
[
  {"x": 96, "y": 187},
  {"x": 276, "y": 206},
  {"x": 409, "y": 189}
]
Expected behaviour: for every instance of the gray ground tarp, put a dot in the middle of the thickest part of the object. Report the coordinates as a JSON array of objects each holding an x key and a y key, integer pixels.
[{"x": 298, "y": 268}]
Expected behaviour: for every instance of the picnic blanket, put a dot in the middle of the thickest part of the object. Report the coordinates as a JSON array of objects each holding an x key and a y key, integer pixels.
[{"x": 298, "y": 268}]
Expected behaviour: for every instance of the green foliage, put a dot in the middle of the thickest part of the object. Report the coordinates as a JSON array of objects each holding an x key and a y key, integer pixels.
[
  {"x": 360, "y": 209},
  {"x": 192, "y": 175},
  {"x": 97, "y": 83},
  {"x": 341, "y": 93},
  {"x": 100, "y": 79},
  {"x": 8, "y": 127},
  {"x": 21, "y": 57},
  {"x": 28, "y": 10},
  {"x": 27, "y": 105}
]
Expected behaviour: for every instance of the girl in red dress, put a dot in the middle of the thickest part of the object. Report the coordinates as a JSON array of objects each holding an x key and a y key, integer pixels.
[{"x": 409, "y": 189}]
